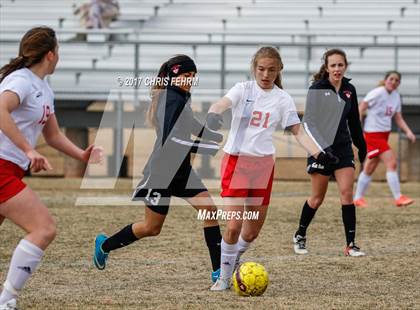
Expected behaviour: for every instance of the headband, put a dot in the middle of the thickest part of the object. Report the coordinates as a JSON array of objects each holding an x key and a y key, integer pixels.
[{"x": 184, "y": 66}]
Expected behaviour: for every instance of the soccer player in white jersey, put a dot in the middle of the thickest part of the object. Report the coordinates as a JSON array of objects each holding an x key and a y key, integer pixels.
[
  {"x": 382, "y": 104},
  {"x": 26, "y": 110},
  {"x": 247, "y": 168}
]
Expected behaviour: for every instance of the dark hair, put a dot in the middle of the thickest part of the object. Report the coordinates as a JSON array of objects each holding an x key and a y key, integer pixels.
[
  {"x": 161, "y": 84},
  {"x": 322, "y": 72},
  {"x": 387, "y": 74},
  {"x": 268, "y": 52},
  {"x": 34, "y": 45}
]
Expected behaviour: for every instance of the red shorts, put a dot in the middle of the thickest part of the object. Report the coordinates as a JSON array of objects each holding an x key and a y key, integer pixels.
[
  {"x": 377, "y": 143},
  {"x": 10, "y": 180},
  {"x": 247, "y": 177}
]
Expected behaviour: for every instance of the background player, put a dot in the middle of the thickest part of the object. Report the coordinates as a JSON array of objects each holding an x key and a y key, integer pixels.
[
  {"x": 382, "y": 104},
  {"x": 247, "y": 167},
  {"x": 26, "y": 110},
  {"x": 168, "y": 171},
  {"x": 330, "y": 77}
]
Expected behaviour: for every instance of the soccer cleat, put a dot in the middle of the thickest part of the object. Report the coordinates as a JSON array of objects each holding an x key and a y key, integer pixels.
[
  {"x": 403, "y": 201},
  {"x": 360, "y": 203},
  {"x": 353, "y": 250},
  {"x": 299, "y": 244},
  {"x": 99, "y": 256},
  {"x": 221, "y": 285},
  {"x": 10, "y": 305},
  {"x": 215, "y": 275}
]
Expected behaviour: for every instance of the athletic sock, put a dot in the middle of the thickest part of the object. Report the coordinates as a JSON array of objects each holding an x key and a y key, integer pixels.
[
  {"x": 121, "y": 239},
  {"x": 213, "y": 239},
  {"x": 394, "y": 183},
  {"x": 306, "y": 217},
  {"x": 25, "y": 259},
  {"x": 363, "y": 182},
  {"x": 228, "y": 257},
  {"x": 349, "y": 221},
  {"x": 241, "y": 247}
]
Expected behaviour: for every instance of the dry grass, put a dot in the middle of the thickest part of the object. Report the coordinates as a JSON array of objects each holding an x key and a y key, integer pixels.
[{"x": 171, "y": 271}]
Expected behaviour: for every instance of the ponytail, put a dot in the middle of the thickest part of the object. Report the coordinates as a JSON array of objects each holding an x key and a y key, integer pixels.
[
  {"x": 155, "y": 92},
  {"x": 321, "y": 74},
  {"x": 34, "y": 45},
  {"x": 277, "y": 81},
  {"x": 14, "y": 64}
]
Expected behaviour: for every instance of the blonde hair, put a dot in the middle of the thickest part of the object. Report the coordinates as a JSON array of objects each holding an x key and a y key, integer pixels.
[
  {"x": 268, "y": 52},
  {"x": 382, "y": 82}
]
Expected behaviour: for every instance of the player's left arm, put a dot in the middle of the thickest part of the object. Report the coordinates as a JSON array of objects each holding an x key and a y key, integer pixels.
[
  {"x": 56, "y": 139},
  {"x": 305, "y": 140},
  {"x": 214, "y": 119},
  {"x": 311, "y": 145},
  {"x": 399, "y": 120},
  {"x": 363, "y": 106},
  {"x": 201, "y": 131},
  {"x": 355, "y": 127}
]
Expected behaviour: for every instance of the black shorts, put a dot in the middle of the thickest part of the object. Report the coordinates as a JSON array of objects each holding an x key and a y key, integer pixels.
[
  {"x": 157, "y": 199},
  {"x": 328, "y": 170}
]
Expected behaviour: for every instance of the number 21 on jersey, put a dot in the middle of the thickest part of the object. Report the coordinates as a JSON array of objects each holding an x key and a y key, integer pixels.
[{"x": 260, "y": 119}]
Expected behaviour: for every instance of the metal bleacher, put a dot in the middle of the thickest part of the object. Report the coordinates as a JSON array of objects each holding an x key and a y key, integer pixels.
[{"x": 222, "y": 36}]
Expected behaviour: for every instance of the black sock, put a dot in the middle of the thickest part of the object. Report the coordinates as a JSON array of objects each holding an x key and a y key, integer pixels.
[
  {"x": 349, "y": 221},
  {"x": 213, "y": 239},
  {"x": 306, "y": 217},
  {"x": 121, "y": 239}
]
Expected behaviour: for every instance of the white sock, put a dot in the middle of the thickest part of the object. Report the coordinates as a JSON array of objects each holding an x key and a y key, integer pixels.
[
  {"x": 242, "y": 246},
  {"x": 363, "y": 182},
  {"x": 394, "y": 183},
  {"x": 25, "y": 259},
  {"x": 228, "y": 257}
]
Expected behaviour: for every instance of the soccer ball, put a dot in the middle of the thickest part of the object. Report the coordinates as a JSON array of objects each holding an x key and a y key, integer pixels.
[{"x": 250, "y": 279}]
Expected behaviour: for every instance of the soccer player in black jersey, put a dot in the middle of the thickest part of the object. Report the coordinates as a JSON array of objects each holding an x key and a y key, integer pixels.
[
  {"x": 332, "y": 93},
  {"x": 168, "y": 171}
]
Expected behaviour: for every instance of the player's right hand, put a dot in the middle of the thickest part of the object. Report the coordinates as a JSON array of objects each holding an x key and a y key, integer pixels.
[
  {"x": 411, "y": 137},
  {"x": 214, "y": 121},
  {"x": 38, "y": 162},
  {"x": 327, "y": 158}
]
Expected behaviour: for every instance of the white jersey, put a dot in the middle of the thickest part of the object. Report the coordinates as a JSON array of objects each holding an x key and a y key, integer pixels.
[
  {"x": 255, "y": 116},
  {"x": 36, "y": 105},
  {"x": 381, "y": 108}
]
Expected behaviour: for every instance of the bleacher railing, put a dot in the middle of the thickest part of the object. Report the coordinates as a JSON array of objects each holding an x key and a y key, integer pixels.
[{"x": 304, "y": 41}]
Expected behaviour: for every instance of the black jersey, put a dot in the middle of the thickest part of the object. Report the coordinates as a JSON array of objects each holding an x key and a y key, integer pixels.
[
  {"x": 171, "y": 155},
  {"x": 348, "y": 127}
]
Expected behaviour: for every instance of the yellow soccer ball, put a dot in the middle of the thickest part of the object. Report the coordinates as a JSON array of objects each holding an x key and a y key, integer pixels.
[{"x": 250, "y": 279}]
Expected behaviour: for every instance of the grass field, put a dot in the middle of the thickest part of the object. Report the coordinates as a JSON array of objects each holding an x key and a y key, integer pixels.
[{"x": 172, "y": 271}]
